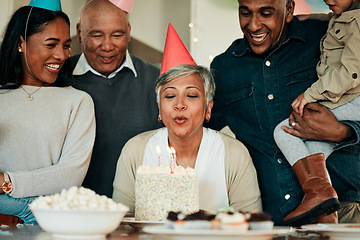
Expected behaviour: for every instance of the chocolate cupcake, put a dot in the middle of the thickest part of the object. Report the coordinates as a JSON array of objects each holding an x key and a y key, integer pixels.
[{"x": 260, "y": 221}]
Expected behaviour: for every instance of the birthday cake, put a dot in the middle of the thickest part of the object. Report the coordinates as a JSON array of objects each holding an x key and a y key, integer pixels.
[{"x": 159, "y": 190}]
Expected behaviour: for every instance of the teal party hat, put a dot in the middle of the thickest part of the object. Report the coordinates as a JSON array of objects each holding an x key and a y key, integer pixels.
[{"x": 52, "y": 5}]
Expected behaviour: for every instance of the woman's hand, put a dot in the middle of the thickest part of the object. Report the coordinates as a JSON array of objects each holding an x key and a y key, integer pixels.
[
  {"x": 318, "y": 123},
  {"x": 299, "y": 103}
]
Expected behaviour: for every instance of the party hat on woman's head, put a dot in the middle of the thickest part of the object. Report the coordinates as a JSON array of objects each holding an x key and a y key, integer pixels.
[
  {"x": 125, "y": 5},
  {"x": 52, "y": 5},
  {"x": 175, "y": 52}
]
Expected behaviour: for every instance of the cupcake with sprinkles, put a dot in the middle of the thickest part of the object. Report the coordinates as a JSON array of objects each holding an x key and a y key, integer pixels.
[{"x": 233, "y": 220}]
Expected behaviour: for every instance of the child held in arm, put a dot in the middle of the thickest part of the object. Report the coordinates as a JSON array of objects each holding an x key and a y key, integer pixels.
[{"x": 338, "y": 89}]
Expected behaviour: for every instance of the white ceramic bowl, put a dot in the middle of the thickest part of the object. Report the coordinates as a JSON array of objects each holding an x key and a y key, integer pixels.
[{"x": 78, "y": 224}]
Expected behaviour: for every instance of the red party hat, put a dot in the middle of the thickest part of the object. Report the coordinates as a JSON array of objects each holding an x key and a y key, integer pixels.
[{"x": 175, "y": 52}]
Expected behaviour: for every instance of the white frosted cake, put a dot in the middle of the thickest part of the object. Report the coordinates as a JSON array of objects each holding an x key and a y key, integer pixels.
[{"x": 158, "y": 191}]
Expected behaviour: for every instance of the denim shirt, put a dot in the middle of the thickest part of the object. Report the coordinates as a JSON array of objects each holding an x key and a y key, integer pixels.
[{"x": 254, "y": 93}]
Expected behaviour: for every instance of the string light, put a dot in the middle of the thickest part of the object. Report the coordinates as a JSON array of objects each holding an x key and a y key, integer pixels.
[{"x": 205, "y": 44}]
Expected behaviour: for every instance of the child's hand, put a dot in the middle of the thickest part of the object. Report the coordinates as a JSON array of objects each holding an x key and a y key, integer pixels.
[{"x": 299, "y": 104}]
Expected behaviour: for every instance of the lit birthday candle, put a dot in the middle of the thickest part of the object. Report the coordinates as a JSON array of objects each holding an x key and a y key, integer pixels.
[
  {"x": 159, "y": 154},
  {"x": 172, "y": 158}
]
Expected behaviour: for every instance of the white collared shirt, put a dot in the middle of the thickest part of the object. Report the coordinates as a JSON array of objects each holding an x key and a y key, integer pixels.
[{"x": 83, "y": 67}]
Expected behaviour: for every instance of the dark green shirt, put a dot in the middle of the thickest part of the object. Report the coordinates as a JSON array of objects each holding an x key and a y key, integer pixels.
[{"x": 254, "y": 93}]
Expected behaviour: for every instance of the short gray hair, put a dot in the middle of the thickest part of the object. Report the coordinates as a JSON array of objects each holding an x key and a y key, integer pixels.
[{"x": 184, "y": 70}]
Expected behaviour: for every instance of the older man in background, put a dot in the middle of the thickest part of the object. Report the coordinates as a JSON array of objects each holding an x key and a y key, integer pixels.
[{"x": 121, "y": 85}]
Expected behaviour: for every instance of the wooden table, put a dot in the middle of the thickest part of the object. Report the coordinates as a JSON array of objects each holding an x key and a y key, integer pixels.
[{"x": 34, "y": 232}]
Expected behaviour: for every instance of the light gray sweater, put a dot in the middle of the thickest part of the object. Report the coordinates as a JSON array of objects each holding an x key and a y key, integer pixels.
[{"x": 46, "y": 143}]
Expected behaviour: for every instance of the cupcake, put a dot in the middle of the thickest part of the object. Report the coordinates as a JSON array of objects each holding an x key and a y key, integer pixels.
[
  {"x": 172, "y": 217},
  {"x": 200, "y": 220},
  {"x": 233, "y": 220},
  {"x": 260, "y": 221}
]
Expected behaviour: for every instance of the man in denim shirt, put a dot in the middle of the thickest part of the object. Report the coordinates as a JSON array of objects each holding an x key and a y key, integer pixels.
[{"x": 257, "y": 78}]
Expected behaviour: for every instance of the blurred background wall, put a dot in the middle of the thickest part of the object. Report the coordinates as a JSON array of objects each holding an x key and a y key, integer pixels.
[{"x": 207, "y": 27}]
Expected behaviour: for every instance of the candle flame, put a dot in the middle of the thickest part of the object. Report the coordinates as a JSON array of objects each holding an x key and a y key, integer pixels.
[
  {"x": 172, "y": 150},
  {"x": 158, "y": 149},
  {"x": 172, "y": 159}
]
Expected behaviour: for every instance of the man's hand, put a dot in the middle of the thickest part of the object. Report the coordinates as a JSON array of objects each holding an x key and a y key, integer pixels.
[
  {"x": 318, "y": 123},
  {"x": 299, "y": 103},
  {"x": 1, "y": 182}
]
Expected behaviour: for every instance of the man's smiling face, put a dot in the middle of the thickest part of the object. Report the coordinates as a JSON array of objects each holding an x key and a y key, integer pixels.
[
  {"x": 264, "y": 22},
  {"x": 104, "y": 34}
]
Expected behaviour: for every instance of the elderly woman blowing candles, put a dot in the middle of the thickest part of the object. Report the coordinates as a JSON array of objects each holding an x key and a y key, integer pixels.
[{"x": 226, "y": 175}]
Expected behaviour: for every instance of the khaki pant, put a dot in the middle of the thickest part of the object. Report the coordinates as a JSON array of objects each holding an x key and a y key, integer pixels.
[{"x": 349, "y": 212}]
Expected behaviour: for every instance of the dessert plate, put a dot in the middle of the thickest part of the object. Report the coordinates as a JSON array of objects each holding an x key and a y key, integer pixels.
[
  {"x": 140, "y": 224},
  {"x": 342, "y": 231},
  {"x": 216, "y": 234}
]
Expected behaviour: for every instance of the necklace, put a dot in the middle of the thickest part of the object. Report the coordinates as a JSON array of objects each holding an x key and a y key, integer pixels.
[{"x": 30, "y": 97}]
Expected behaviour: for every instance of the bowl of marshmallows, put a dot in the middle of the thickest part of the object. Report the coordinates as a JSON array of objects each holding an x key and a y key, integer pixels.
[{"x": 78, "y": 213}]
